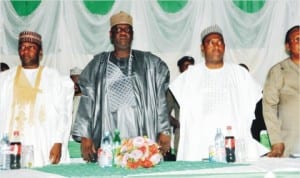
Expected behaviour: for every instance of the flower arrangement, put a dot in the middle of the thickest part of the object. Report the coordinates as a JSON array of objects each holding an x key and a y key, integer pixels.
[{"x": 137, "y": 152}]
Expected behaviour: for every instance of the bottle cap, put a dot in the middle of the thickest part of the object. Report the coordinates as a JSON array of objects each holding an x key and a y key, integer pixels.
[
  {"x": 16, "y": 133},
  {"x": 107, "y": 133}
]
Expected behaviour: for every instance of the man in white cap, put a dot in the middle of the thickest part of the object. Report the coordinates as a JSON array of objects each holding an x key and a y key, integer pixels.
[
  {"x": 212, "y": 95},
  {"x": 36, "y": 102},
  {"x": 123, "y": 89}
]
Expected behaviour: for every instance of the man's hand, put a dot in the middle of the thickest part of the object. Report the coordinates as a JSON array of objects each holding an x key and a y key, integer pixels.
[
  {"x": 55, "y": 153},
  {"x": 276, "y": 150},
  {"x": 88, "y": 149},
  {"x": 164, "y": 141}
]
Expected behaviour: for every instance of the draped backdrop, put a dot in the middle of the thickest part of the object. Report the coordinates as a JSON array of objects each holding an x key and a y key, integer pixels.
[{"x": 74, "y": 30}]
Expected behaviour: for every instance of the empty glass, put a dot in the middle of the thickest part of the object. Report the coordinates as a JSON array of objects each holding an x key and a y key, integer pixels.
[
  {"x": 240, "y": 150},
  {"x": 27, "y": 156}
]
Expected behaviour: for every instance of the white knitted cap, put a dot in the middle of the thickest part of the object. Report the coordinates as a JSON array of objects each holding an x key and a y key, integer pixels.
[{"x": 209, "y": 30}]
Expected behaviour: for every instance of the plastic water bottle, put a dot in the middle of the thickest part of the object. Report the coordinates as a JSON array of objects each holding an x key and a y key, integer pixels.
[
  {"x": 15, "y": 151},
  {"x": 4, "y": 153},
  {"x": 219, "y": 146},
  {"x": 230, "y": 146},
  {"x": 105, "y": 153}
]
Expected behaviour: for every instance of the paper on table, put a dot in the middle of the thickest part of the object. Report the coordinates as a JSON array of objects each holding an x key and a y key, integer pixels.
[
  {"x": 295, "y": 155},
  {"x": 277, "y": 164},
  {"x": 254, "y": 150}
]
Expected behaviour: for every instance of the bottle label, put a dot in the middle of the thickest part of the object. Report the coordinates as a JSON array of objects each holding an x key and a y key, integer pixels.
[
  {"x": 229, "y": 143},
  {"x": 105, "y": 157},
  {"x": 212, "y": 153},
  {"x": 15, "y": 148},
  {"x": 230, "y": 149}
]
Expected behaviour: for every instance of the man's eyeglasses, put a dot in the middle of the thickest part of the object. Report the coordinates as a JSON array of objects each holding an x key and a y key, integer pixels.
[
  {"x": 29, "y": 47},
  {"x": 120, "y": 29}
]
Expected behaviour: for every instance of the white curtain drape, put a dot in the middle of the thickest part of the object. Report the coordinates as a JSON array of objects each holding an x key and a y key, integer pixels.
[{"x": 72, "y": 34}]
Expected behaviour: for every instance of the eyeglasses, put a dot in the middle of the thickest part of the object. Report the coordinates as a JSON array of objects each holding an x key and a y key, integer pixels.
[
  {"x": 120, "y": 29},
  {"x": 29, "y": 47}
]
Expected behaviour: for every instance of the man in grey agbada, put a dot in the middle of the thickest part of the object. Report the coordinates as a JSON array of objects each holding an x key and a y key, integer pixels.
[{"x": 123, "y": 89}]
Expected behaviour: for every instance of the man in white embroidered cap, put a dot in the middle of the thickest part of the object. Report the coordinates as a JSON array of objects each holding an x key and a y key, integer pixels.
[
  {"x": 214, "y": 94},
  {"x": 124, "y": 89},
  {"x": 36, "y": 102}
]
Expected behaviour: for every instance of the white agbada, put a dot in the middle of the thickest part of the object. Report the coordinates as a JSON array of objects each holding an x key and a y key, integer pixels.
[
  {"x": 211, "y": 99},
  {"x": 52, "y": 115}
]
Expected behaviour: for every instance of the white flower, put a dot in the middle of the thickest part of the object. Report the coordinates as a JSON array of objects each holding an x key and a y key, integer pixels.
[
  {"x": 138, "y": 141},
  {"x": 155, "y": 159},
  {"x": 135, "y": 149},
  {"x": 124, "y": 160},
  {"x": 124, "y": 149},
  {"x": 136, "y": 154},
  {"x": 149, "y": 141}
]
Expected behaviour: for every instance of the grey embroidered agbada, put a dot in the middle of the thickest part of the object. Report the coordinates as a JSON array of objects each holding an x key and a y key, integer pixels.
[{"x": 131, "y": 99}]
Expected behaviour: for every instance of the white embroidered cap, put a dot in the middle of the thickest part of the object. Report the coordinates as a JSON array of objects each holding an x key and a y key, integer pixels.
[
  {"x": 75, "y": 71},
  {"x": 211, "y": 29}
]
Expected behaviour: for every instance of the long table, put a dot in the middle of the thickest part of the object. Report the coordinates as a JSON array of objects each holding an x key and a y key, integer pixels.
[{"x": 264, "y": 167}]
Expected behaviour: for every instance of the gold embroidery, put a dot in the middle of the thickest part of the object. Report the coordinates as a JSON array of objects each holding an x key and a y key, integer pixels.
[{"x": 24, "y": 97}]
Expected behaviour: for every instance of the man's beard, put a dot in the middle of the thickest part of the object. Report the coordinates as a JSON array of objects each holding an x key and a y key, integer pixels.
[{"x": 34, "y": 61}]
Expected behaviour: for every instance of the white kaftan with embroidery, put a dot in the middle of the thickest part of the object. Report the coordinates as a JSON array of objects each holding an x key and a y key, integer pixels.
[
  {"x": 211, "y": 99},
  {"x": 52, "y": 112}
]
